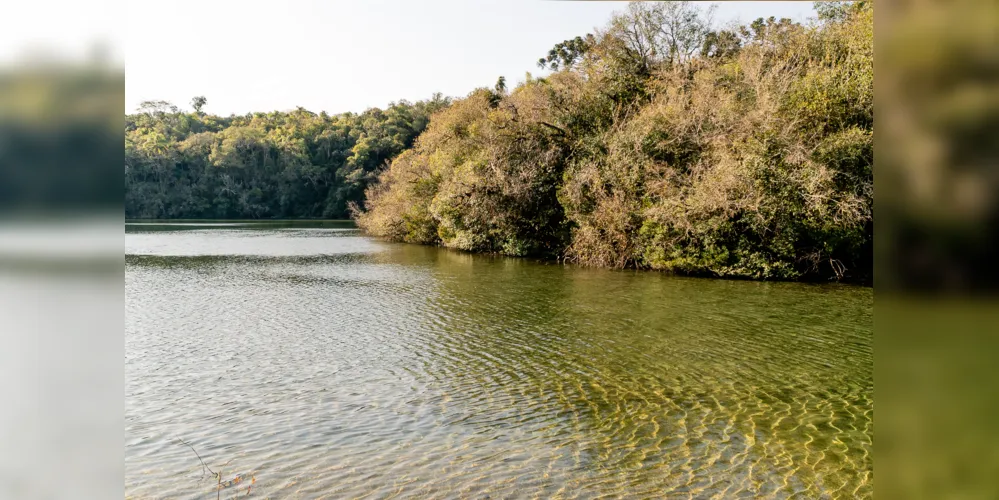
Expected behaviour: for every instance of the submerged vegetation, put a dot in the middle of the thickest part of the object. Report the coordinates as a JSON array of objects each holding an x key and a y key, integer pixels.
[{"x": 658, "y": 143}]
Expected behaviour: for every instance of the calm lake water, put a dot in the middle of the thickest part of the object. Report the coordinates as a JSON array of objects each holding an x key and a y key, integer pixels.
[{"x": 325, "y": 364}]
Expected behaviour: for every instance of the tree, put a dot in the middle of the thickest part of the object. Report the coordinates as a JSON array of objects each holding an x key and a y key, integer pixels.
[
  {"x": 567, "y": 53},
  {"x": 837, "y": 11},
  {"x": 198, "y": 102},
  {"x": 662, "y": 33},
  {"x": 157, "y": 107},
  {"x": 500, "y": 85},
  {"x": 722, "y": 43}
]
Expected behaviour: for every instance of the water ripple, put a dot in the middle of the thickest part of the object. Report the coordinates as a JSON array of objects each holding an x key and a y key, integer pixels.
[{"x": 326, "y": 365}]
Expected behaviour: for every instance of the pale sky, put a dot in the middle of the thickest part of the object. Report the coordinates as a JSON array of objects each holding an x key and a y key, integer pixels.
[
  {"x": 337, "y": 56},
  {"x": 61, "y": 29}
]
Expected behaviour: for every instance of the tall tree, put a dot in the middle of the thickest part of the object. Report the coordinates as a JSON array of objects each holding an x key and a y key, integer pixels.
[
  {"x": 500, "y": 85},
  {"x": 198, "y": 102},
  {"x": 567, "y": 53},
  {"x": 662, "y": 33}
]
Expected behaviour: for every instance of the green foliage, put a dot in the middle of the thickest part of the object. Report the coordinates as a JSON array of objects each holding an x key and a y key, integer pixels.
[
  {"x": 483, "y": 177},
  {"x": 659, "y": 144},
  {"x": 722, "y": 43},
  {"x": 500, "y": 87},
  {"x": 262, "y": 165},
  {"x": 838, "y": 11},
  {"x": 567, "y": 53}
]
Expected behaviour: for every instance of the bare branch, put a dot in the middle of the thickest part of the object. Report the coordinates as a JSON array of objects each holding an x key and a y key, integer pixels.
[
  {"x": 556, "y": 128},
  {"x": 203, "y": 464}
]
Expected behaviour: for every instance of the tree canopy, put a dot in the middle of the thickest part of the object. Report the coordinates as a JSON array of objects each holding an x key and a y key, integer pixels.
[
  {"x": 295, "y": 164},
  {"x": 659, "y": 143}
]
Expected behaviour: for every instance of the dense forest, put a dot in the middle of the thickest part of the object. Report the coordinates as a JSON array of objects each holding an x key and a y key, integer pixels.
[
  {"x": 659, "y": 142},
  {"x": 294, "y": 164}
]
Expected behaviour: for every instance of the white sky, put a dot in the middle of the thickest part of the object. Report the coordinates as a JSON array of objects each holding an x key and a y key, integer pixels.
[
  {"x": 62, "y": 29},
  {"x": 341, "y": 56}
]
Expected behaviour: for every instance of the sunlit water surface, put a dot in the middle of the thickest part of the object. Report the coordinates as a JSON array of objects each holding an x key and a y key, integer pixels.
[{"x": 325, "y": 364}]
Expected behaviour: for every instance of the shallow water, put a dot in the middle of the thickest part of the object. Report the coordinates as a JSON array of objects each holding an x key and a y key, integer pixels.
[{"x": 326, "y": 364}]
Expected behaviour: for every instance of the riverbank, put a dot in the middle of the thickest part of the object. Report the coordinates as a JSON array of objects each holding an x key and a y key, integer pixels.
[{"x": 858, "y": 280}]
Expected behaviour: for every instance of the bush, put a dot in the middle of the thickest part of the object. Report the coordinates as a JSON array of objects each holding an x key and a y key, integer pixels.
[{"x": 754, "y": 162}]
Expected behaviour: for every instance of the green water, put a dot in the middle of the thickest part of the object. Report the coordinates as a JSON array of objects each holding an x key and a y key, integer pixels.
[{"x": 327, "y": 364}]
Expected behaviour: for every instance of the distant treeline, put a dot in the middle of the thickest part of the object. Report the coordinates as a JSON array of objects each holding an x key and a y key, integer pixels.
[
  {"x": 657, "y": 142},
  {"x": 297, "y": 164},
  {"x": 660, "y": 143}
]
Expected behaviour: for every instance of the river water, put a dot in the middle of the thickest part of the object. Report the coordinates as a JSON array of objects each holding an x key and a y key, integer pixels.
[{"x": 309, "y": 361}]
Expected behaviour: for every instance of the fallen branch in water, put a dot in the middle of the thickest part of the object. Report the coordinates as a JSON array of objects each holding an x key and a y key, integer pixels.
[
  {"x": 219, "y": 485},
  {"x": 203, "y": 464}
]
